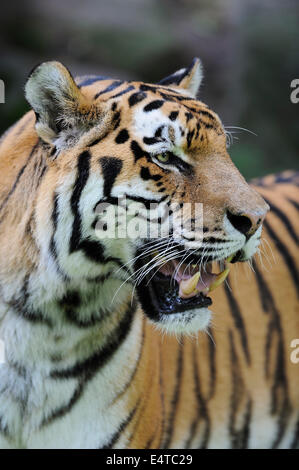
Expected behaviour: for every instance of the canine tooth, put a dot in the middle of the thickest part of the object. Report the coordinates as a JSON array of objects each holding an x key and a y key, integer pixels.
[
  {"x": 194, "y": 265},
  {"x": 189, "y": 285},
  {"x": 219, "y": 279}
]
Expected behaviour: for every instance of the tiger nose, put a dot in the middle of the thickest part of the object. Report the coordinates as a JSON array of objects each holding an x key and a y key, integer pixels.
[{"x": 247, "y": 223}]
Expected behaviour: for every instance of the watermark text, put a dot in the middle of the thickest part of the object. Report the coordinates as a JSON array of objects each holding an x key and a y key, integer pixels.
[
  {"x": 2, "y": 91},
  {"x": 295, "y": 93}
]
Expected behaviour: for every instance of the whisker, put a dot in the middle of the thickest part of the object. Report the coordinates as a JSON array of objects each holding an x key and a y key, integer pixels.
[{"x": 241, "y": 129}]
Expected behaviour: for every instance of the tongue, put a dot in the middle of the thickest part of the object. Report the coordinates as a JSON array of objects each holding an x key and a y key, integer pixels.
[{"x": 191, "y": 281}]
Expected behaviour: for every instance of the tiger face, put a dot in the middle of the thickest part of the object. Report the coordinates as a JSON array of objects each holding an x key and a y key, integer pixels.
[{"x": 129, "y": 155}]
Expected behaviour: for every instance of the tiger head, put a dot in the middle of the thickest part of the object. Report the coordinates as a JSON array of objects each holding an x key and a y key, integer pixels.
[{"x": 125, "y": 161}]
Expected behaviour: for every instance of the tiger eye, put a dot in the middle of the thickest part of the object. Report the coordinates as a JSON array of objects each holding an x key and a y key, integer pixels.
[{"x": 163, "y": 157}]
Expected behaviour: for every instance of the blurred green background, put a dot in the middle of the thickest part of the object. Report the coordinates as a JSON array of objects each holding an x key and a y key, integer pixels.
[{"x": 249, "y": 50}]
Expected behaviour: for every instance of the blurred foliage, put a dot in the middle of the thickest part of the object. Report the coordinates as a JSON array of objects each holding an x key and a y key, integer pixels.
[{"x": 249, "y": 50}]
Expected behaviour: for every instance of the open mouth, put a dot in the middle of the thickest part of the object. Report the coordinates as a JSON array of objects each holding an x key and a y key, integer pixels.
[{"x": 174, "y": 287}]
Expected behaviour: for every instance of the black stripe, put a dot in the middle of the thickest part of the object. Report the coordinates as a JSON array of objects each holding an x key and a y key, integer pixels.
[
  {"x": 99, "y": 139},
  {"x": 206, "y": 113},
  {"x": 145, "y": 398},
  {"x": 91, "y": 80},
  {"x": 64, "y": 409},
  {"x": 238, "y": 320},
  {"x": 136, "y": 98},
  {"x": 282, "y": 216},
  {"x": 280, "y": 404},
  {"x": 158, "y": 131},
  {"x": 121, "y": 428},
  {"x": 93, "y": 250},
  {"x": 133, "y": 374},
  {"x": 29, "y": 315},
  {"x": 177, "y": 78},
  {"x": 239, "y": 435},
  {"x": 290, "y": 264},
  {"x": 179, "y": 98},
  {"x": 167, "y": 97},
  {"x": 188, "y": 116},
  {"x": 13, "y": 188},
  {"x": 181, "y": 165},
  {"x": 146, "y": 174},
  {"x": 86, "y": 370},
  {"x": 93, "y": 319},
  {"x": 52, "y": 245},
  {"x": 152, "y": 140},
  {"x": 116, "y": 120},
  {"x": 122, "y": 136},
  {"x": 200, "y": 112},
  {"x": 295, "y": 442},
  {"x": 213, "y": 240},
  {"x": 175, "y": 397},
  {"x": 212, "y": 363},
  {"x": 20, "y": 308},
  {"x": 162, "y": 397},
  {"x": 54, "y": 218},
  {"x": 295, "y": 204},
  {"x": 269, "y": 308},
  {"x": 190, "y": 136},
  {"x": 280, "y": 401},
  {"x": 173, "y": 115},
  {"x": 202, "y": 411},
  {"x": 153, "y": 105},
  {"x": 83, "y": 168},
  {"x": 88, "y": 367},
  {"x": 109, "y": 88},
  {"x": 146, "y": 202},
  {"x": 123, "y": 92},
  {"x": 192, "y": 433},
  {"x": 111, "y": 168},
  {"x": 149, "y": 442},
  {"x": 138, "y": 151},
  {"x": 147, "y": 87}
]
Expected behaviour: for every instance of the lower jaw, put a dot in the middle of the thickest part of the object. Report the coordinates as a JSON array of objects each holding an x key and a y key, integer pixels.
[
  {"x": 189, "y": 322},
  {"x": 164, "y": 307}
]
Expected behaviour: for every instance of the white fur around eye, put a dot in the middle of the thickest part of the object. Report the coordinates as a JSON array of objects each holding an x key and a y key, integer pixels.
[{"x": 146, "y": 124}]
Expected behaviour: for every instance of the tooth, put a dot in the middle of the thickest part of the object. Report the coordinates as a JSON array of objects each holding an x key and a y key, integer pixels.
[
  {"x": 219, "y": 279},
  {"x": 228, "y": 260},
  {"x": 189, "y": 285},
  {"x": 194, "y": 266}
]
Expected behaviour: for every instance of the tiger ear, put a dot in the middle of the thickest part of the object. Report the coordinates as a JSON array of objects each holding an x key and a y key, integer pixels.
[
  {"x": 60, "y": 108},
  {"x": 188, "y": 79}
]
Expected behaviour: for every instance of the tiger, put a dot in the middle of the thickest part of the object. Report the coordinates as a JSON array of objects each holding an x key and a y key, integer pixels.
[{"x": 110, "y": 341}]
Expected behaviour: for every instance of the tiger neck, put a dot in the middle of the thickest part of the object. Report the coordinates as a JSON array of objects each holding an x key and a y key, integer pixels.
[
  {"x": 78, "y": 323},
  {"x": 54, "y": 363}
]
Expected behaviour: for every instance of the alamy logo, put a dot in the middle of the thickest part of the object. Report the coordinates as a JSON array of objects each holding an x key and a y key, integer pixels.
[
  {"x": 295, "y": 93},
  {"x": 2, "y": 92}
]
